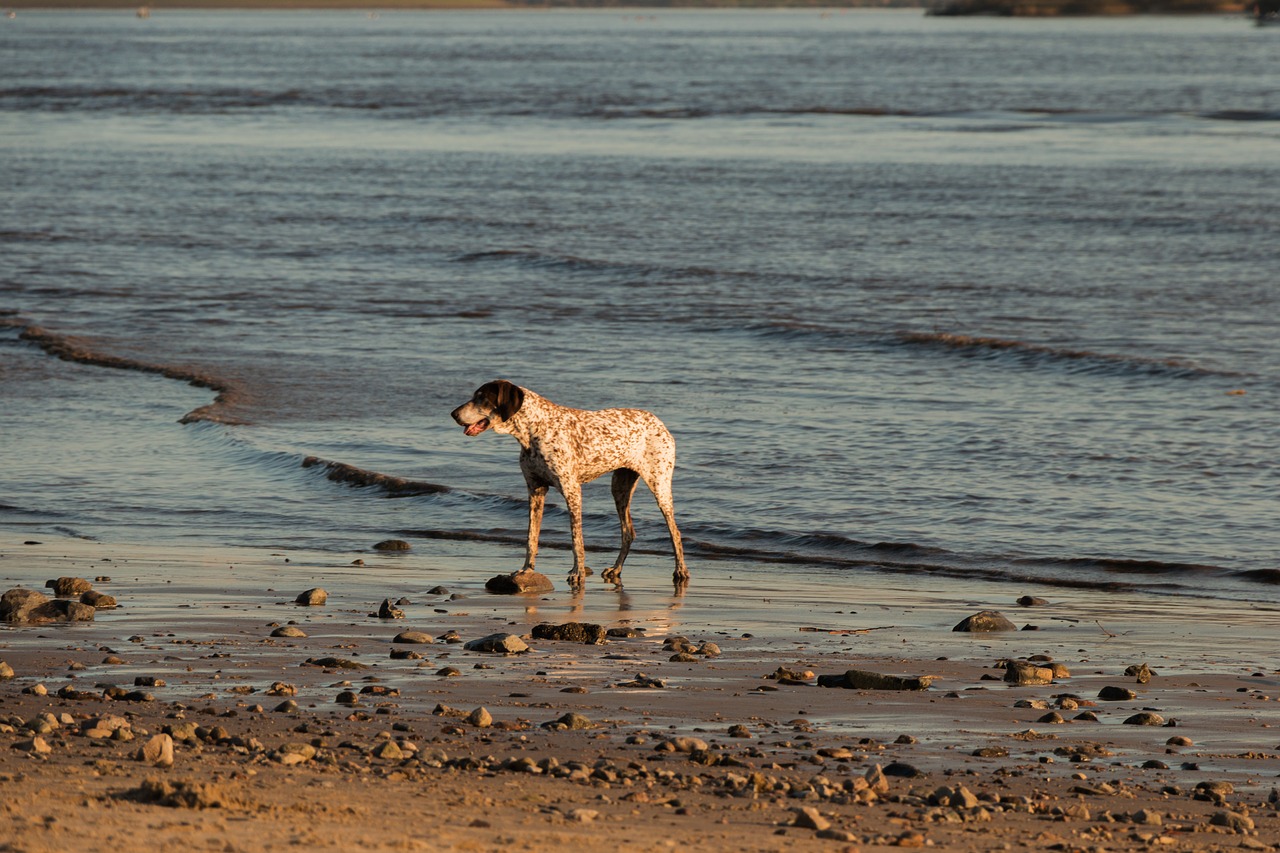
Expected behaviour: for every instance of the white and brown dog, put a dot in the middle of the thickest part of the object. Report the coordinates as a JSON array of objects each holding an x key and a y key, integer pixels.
[{"x": 564, "y": 448}]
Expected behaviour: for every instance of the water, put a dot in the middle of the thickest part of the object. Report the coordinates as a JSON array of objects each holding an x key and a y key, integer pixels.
[{"x": 976, "y": 299}]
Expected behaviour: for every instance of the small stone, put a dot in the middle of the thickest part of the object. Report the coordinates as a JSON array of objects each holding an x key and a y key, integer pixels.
[
  {"x": 334, "y": 663},
  {"x": 6, "y": 671},
  {"x": 1179, "y": 740},
  {"x": 1052, "y": 717},
  {"x": 289, "y": 631},
  {"x": 1232, "y": 821},
  {"x": 902, "y": 769},
  {"x": 808, "y": 817},
  {"x": 437, "y": 590},
  {"x": 388, "y": 750},
  {"x": 480, "y": 718},
  {"x": 413, "y": 637},
  {"x": 392, "y": 545},
  {"x": 314, "y": 597},
  {"x": 387, "y": 610},
  {"x": 857, "y": 679},
  {"x": 569, "y": 722},
  {"x": 1145, "y": 718},
  {"x": 36, "y": 745},
  {"x": 985, "y": 621},
  {"x": 684, "y": 744},
  {"x": 1141, "y": 672},
  {"x": 1117, "y": 694},
  {"x": 449, "y": 672},
  {"x": 709, "y": 650},
  {"x": 505, "y": 644},
  {"x": 739, "y": 731},
  {"x": 288, "y": 706},
  {"x": 519, "y": 583},
  {"x": 581, "y": 815},
  {"x": 158, "y": 751},
  {"x": 348, "y": 697},
  {"x": 1032, "y": 601}
]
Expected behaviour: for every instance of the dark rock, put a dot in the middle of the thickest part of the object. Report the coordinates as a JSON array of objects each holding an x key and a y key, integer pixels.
[
  {"x": 625, "y": 633},
  {"x": 984, "y": 622},
  {"x": 334, "y": 663},
  {"x": 1145, "y": 718},
  {"x": 69, "y": 587},
  {"x": 571, "y": 632},
  {"x": 437, "y": 590},
  {"x": 98, "y": 600},
  {"x": 392, "y": 545},
  {"x": 902, "y": 769},
  {"x": 21, "y": 606},
  {"x": 312, "y": 597},
  {"x": 519, "y": 583},
  {"x": 387, "y": 610},
  {"x": 1032, "y": 601},
  {"x": 1141, "y": 672},
  {"x": 858, "y": 679},
  {"x": 1117, "y": 694},
  {"x": 569, "y": 722},
  {"x": 1022, "y": 673}
]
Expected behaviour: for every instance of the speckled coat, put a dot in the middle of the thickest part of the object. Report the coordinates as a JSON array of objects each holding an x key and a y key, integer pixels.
[{"x": 564, "y": 448}]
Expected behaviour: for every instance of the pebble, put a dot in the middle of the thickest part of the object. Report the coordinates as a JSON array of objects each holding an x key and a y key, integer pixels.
[
  {"x": 1021, "y": 673},
  {"x": 158, "y": 751},
  {"x": 98, "y": 600},
  {"x": 289, "y": 631},
  {"x": 387, "y": 610},
  {"x": 314, "y": 597},
  {"x": 6, "y": 671},
  {"x": 392, "y": 545},
  {"x": 571, "y": 632},
  {"x": 808, "y": 817},
  {"x": 1145, "y": 718},
  {"x": 569, "y": 722},
  {"x": 69, "y": 587},
  {"x": 480, "y": 718},
  {"x": 1232, "y": 821},
  {"x": 1117, "y": 694},
  {"x": 1032, "y": 601}
]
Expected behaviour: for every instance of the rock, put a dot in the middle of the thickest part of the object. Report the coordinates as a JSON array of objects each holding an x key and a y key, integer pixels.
[
  {"x": 392, "y": 545},
  {"x": 437, "y": 590},
  {"x": 858, "y": 679},
  {"x": 902, "y": 769},
  {"x": 1141, "y": 672},
  {"x": 644, "y": 681},
  {"x": 519, "y": 583},
  {"x": 682, "y": 657},
  {"x": 334, "y": 663},
  {"x": 683, "y": 744},
  {"x": 289, "y": 631},
  {"x": 314, "y": 597},
  {"x": 413, "y": 638},
  {"x": 709, "y": 650},
  {"x": 98, "y": 600},
  {"x": 349, "y": 698},
  {"x": 158, "y": 752},
  {"x": 1232, "y": 821},
  {"x": 503, "y": 644},
  {"x": 1022, "y": 673},
  {"x": 388, "y": 750},
  {"x": 6, "y": 671},
  {"x": 36, "y": 746},
  {"x": 1117, "y": 694},
  {"x": 1032, "y": 601},
  {"x": 1053, "y": 717},
  {"x": 387, "y": 610},
  {"x": 958, "y": 797},
  {"x": 571, "y": 632},
  {"x": 20, "y": 606},
  {"x": 68, "y": 587},
  {"x": 449, "y": 672},
  {"x": 1147, "y": 817},
  {"x": 876, "y": 780},
  {"x": 807, "y": 817},
  {"x": 569, "y": 722},
  {"x": 581, "y": 815},
  {"x": 281, "y": 688},
  {"x": 1145, "y": 718},
  {"x": 288, "y": 706},
  {"x": 984, "y": 622},
  {"x": 480, "y": 718},
  {"x": 739, "y": 731},
  {"x": 1179, "y": 740},
  {"x": 183, "y": 794},
  {"x": 625, "y": 633}
]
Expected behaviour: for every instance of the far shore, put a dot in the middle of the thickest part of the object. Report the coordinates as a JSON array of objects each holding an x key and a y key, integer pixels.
[{"x": 998, "y": 8}]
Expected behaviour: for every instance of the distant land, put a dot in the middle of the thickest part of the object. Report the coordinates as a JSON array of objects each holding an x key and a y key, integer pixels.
[{"x": 1012, "y": 8}]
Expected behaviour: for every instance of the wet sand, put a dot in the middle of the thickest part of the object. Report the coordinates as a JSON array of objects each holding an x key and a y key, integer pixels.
[{"x": 395, "y": 770}]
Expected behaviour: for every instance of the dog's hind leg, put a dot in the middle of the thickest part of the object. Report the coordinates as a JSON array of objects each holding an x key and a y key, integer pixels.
[{"x": 623, "y": 486}]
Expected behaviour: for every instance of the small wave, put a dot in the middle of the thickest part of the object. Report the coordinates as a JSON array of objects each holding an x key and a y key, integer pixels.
[
  {"x": 399, "y": 487},
  {"x": 1242, "y": 115},
  {"x": 1040, "y": 353},
  {"x": 1267, "y": 576},
  {"x": 76, "y": 350}
]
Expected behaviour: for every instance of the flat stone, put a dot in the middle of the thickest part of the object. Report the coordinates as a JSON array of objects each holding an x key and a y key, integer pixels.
[
  {"x": 413, "y": 637},
  {"x": 808, "y": 817},
  {"x": 392, "y": 545},
  {"x": 859, "y": 679},
  {"x": 505, "y": 644},
  {"x": 569, "y": 722},
  {"x": 314, "y": 597},
  {"x": 1032, "y": 601},
  {"x": 1232, "y": 821},
  {"x": 571, "y": 632},
  {"x": 520, "y": 583},
  {"x": 685, "y": 744},
  {"x": 1117, "y": 694},
  {"x": 334, "y": 663},
  {"x": 985, "y": 621},
  {"x": 1145, "y": 718},
  {"x": 289, "y": 631}
]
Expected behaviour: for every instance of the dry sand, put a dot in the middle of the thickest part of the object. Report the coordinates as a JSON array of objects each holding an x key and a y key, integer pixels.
[{"x": 391, "y": 773}]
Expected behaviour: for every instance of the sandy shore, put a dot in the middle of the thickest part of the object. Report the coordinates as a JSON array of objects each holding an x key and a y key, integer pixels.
[{"x": 393, "y": 753}]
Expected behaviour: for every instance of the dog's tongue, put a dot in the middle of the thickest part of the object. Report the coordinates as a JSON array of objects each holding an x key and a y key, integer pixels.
[{"x": 478, "y": 427}]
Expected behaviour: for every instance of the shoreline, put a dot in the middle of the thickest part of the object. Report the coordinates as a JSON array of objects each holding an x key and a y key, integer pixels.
[
  {"x": 953, "y": 8},
  {"x": 200, "y": 620}
]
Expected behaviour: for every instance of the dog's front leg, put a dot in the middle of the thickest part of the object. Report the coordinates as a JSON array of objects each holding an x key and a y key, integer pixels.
[
  {"x": 537, "y": 500},
  {"x": 573, "y": 502}
]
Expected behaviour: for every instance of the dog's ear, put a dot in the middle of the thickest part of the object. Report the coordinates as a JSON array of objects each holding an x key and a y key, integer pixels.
[{"x": 510, "y": 399}]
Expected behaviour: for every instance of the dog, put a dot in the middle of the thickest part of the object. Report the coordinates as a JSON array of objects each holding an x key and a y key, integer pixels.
[{"x": 564, "y": 448}]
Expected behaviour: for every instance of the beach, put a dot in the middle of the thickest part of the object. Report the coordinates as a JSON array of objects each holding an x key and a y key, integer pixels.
[{"x": 325, "y": 740}]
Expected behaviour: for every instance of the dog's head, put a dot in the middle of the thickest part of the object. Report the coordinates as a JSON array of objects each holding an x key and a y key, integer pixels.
[{"x": 492, "y": 404}]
